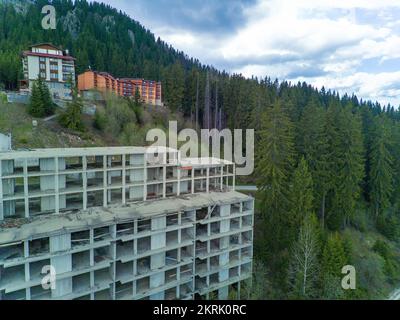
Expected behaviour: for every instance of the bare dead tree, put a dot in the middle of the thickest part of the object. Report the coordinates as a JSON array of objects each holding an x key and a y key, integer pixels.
[
  {"x": 304, "y": 264},
  {"x": 216, "y": 106},
  {"x": 206, "y": 117},
  {"x": 197, "y": 102}
]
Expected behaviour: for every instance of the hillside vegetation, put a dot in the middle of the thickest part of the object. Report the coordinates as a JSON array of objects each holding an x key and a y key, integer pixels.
[
  {"x": 115, "y": 123},
  {"x": 327, "y": 166}
]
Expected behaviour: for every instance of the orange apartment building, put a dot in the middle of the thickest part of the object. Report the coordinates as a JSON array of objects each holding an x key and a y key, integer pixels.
[{"x": 150, "y": 91}]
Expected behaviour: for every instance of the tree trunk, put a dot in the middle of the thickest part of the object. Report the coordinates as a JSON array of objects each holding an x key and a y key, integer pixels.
[
  {"x": 197, "y": 103},
  {"x": 323, "y": 210},
  {"x": 216, "y": 107}
]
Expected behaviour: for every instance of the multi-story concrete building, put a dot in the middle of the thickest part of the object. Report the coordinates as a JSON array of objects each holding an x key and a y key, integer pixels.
[
  {"x": 150, "y": 91},
  {"x": 121, "y": 223},
  {"x": 51, "y": 64}
]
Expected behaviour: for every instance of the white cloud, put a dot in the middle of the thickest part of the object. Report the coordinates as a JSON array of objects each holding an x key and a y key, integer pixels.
[{"x": 325, "y": 42}]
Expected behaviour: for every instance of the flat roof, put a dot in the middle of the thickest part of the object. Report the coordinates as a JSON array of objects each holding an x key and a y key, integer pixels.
[
  {"x": 71, "y": 152},
  {"x": 45, "y": 226},
  {"x": 204, "y": 162}
]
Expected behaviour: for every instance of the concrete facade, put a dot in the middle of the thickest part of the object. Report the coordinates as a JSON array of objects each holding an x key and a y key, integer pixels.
[
  {"x": 122, "y": 224},
  {"x": 53, "y": 65}
]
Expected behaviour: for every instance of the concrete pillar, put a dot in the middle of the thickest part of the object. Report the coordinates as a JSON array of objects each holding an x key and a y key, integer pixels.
[
  {"x": 158, "y": 241},
  {"x": 1, "y": 192},
  {"x": 105, "y": 179},
  {"x": 123, "y": 179},
  {"x": 208, "y": 180},
  {"x": 164, "y": 183},
  {"x": 62, "y": 264},
  {"x": 84, "y": 182},
  {"x": 223, "y": 293},
  {"x": 26, "y": 190},
  {"x": 193, "y": 181}
]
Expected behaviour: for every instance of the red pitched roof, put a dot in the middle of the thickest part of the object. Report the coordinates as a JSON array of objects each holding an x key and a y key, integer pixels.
[{"x": 46, "y": 55}]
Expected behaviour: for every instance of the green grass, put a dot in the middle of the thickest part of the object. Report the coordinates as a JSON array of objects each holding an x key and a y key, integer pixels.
[{"x": 14, "y": 119}]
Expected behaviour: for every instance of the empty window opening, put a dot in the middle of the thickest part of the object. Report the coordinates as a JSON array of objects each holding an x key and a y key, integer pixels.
[
  {"x": 36, "y": 268},
  {"x": 101, "y": 234},
  {"x": 115, "y": 178},
  {"x": 124, "y": 249},
  {"x": 95, "y": 199},
  {"x": 102, "y": 277},
  {"x": 187, "y": 252},
  {"x": 74, "y": 201},
  {"x": 80, "y": 260},
  {"x": 154, "y": 191},
  {"x": 143, "y": 285},
  {"x": 115, "y": 196},
  {"x": 215, "y": 245},
  {"x": 17, "y": 295},
  {"x": 95, "y": 179},
  {"x": 170, "y": 294},
  {"x": 187, "y": 234},
  {"x": 81, "y": 283},
  {"x": 80, "y": 238},
  {"x": 125, "y": 229},
  {"x": 104, "y": 295},
  {"x": 11, "y": 251},
  {"x": 101, "y": 254},
  {"x": 171, "y": 257},
  {"x": 39, "y": 246},
  {"x": 34, "y": 184},
  {"x": 144, "y": 225},
  {"x": 12, "y": 275},
  {"x": 73, "y": 181},
  {"x": 73, "y": 163},
  {"x": 38, "y": 293},
  {"x": 188, "y": 216},
  {"x": 235, "y": 208},
  {"x": 234, "y": 239},
  {"x": 94, "y": 162},
  {"x": 144, "y": 245},
  {"x": 171, "y": 189},
  {"x": 201, "y": 214},
  {"x": 143, "y": 265},
  {"x": 114, "y": 161},
  {"x": 235, "y": 224},
  {"x": 172, "y": 220},
  {"x": 123, "y": 291},
  {"x": 186, "y": 271},
  {"x": 170, "y": 276},
  {"x": 172, "y": 238},
  {"x": 14, "y": 209},
  {"x": 201, "y": 230},
  {"x": 124, "y": 271}
]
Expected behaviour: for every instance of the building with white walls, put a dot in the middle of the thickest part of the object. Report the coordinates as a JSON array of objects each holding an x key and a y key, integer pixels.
[
  {"x": 53, "y": 65},
  {"x": 122, "y": 223}
]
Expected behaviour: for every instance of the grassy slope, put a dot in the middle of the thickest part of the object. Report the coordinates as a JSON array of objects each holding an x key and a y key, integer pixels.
[{"x": 14, "y": 119}]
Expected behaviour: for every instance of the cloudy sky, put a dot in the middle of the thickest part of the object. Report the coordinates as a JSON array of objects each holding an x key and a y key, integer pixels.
[{"x": 347, "y": 45}]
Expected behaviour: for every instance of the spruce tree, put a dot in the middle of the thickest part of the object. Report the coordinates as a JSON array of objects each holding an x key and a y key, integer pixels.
[
  {"x": 47, "y": 102},
  {"x": 35, "y": 106},
  {"x": 347, "y": 154},
  {"x": 301, "y": 199},
  {"x": 72, "y": 117},
  {"x": 381, "y": 171},
  {"x": 333, "y": 260},
  {"x": 313, "y": 145},
  {"x": 275, "y": 159}
]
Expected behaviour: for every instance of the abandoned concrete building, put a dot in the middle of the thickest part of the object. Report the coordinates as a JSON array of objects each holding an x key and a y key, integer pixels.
[{"x": 122, "y": 223}]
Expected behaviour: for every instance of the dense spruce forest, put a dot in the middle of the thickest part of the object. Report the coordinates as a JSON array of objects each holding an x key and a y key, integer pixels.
[{"x": 327, "y": 166}]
